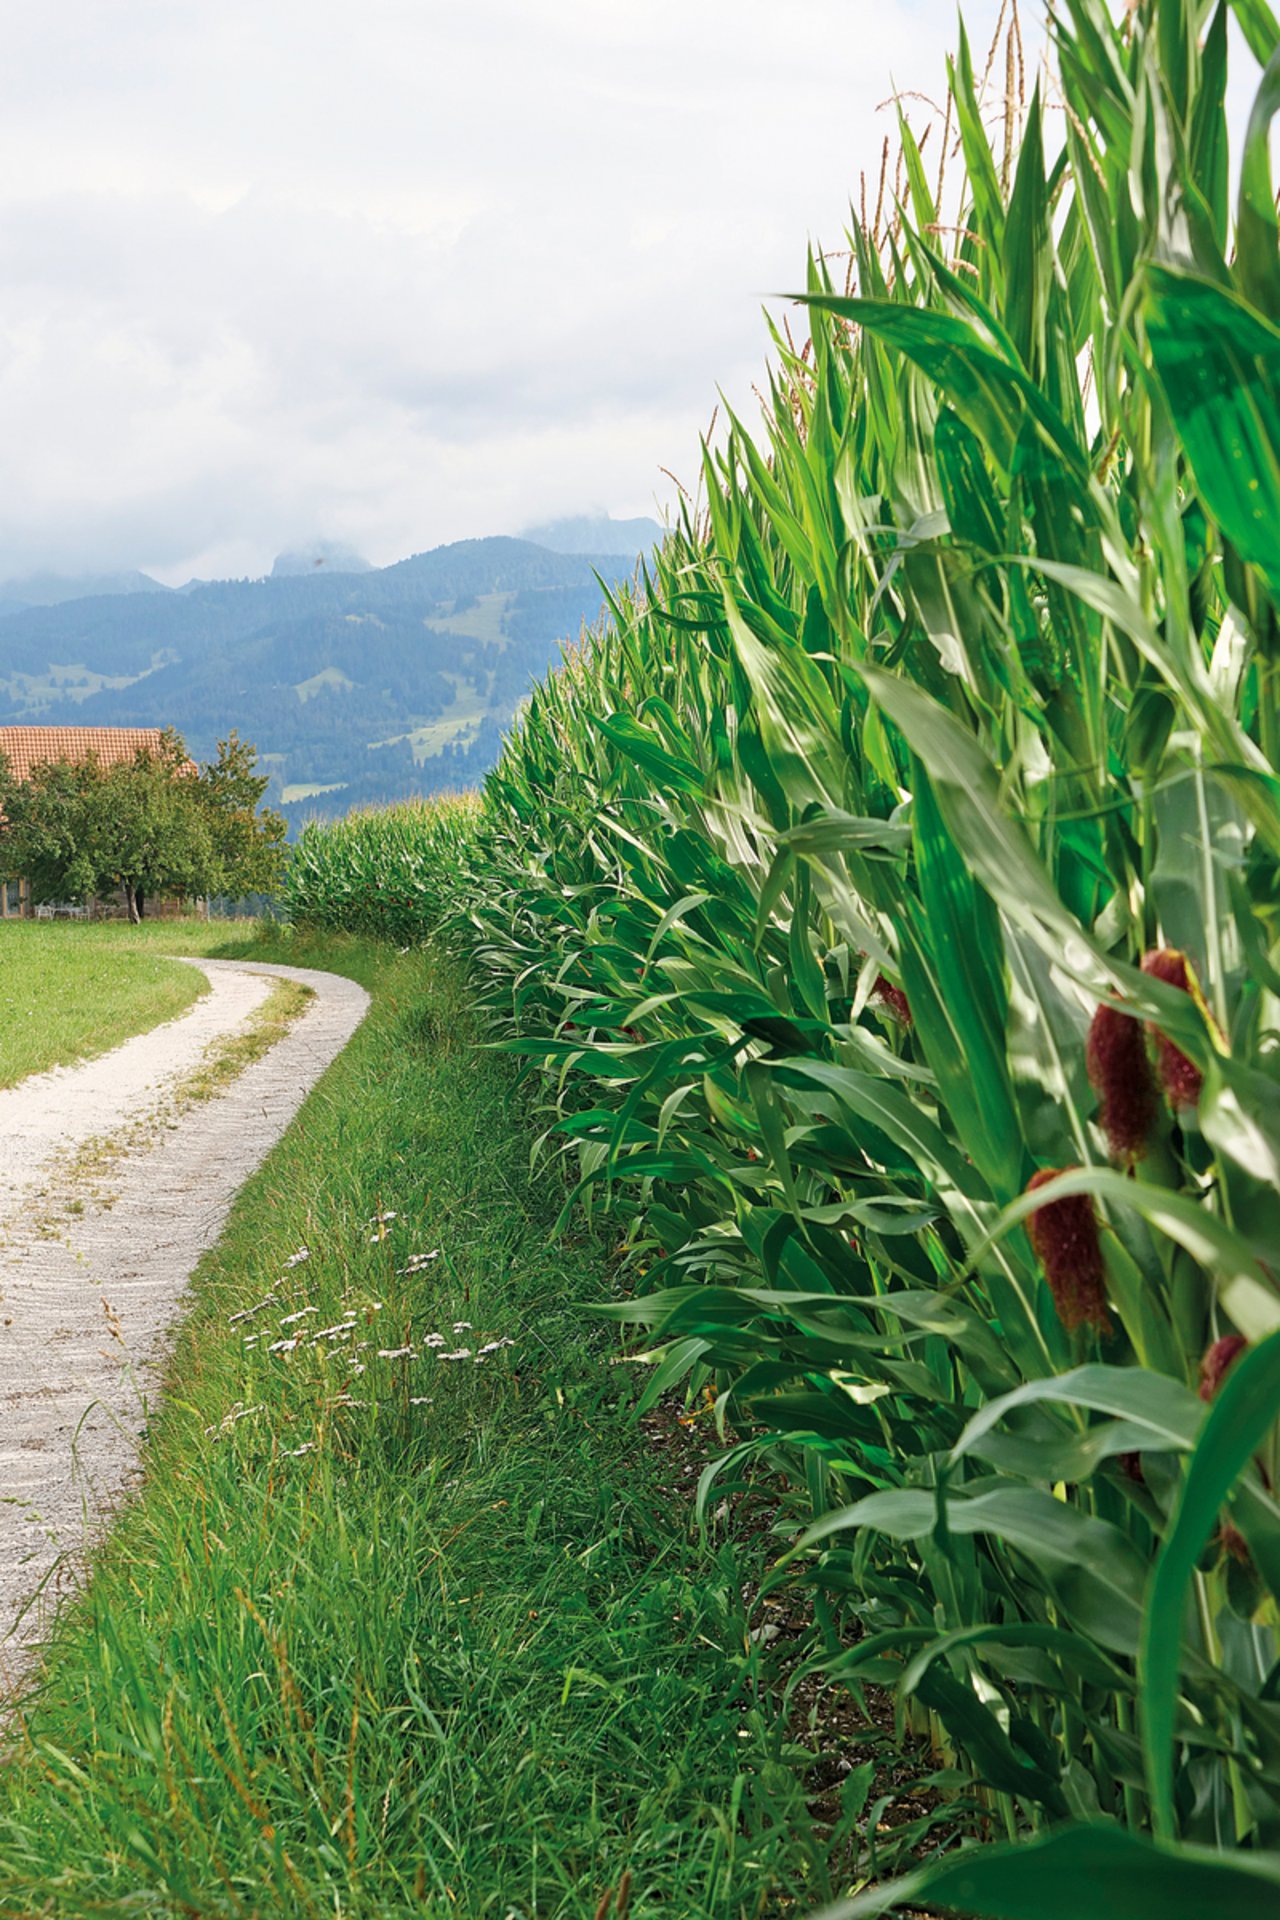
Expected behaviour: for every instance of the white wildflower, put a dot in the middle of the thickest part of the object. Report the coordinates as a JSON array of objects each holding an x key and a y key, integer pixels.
[
  {"x": 230, "y": 1419},
  {"x": 259, "y": 1306},
  {"x": 296, "y": 1259},
  {"x": 301, "y": 1314},
  {"x": 395, "y": 1353}
]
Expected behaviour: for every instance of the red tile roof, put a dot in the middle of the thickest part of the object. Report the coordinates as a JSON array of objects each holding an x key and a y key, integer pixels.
[{"x": 26, "y": 748}]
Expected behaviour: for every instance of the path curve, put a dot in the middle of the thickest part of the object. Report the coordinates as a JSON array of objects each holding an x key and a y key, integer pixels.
[{"x": 74, "y": 1377}]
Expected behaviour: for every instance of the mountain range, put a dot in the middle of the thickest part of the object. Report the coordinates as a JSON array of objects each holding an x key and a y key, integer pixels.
[{"x": 357, "y": 684}]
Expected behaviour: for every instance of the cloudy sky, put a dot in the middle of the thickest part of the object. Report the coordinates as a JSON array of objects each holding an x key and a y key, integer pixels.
[
  {"x": 397, "y": 272},
  {"x": 400, "y": 272}
]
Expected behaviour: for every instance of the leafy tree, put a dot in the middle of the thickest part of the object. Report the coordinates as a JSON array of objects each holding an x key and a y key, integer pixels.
[
  {"x": 42, "y": 827},
  {"x": 248, "y": 840},
  {"x": 143, "y": 833},
  {"x": 153, "y": 825}
]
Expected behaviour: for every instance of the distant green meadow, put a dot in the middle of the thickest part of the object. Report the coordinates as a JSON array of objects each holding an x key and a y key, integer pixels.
[
  {"x": 68, "y": 992},
  {"x": 885, "y": 901}
]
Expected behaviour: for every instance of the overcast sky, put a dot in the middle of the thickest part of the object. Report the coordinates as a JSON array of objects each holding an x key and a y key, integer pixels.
[{"x": 397, "y": 272}]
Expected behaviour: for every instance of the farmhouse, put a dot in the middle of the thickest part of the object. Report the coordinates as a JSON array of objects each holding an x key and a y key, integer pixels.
[{"x": 26, "y": 748}]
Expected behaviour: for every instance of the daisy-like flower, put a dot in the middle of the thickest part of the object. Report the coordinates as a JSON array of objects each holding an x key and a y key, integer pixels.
[
  {"x": 338, "y": 1331},
  {"x": 1064, "y": 1234},
  {"x": 259, "y": 1306},
  {"x": 417, "y": 1262}
]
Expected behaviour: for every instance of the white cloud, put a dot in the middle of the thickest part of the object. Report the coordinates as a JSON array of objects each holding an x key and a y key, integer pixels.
[{"x": 401, "y": 273}]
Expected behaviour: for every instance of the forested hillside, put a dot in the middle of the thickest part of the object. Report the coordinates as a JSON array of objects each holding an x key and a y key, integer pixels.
[{"x": 353, "y": 686}]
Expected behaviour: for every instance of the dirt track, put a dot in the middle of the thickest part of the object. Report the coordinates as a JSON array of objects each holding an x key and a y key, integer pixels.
[{"x": 96, "y": 1251}]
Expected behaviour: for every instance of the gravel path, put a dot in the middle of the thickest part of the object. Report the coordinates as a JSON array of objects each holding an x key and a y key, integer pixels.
[{"x": 96, "y": 1250}]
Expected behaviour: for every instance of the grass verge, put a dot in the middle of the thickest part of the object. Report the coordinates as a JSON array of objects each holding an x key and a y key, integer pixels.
[
  {"x": 68, "y": 992},
  {"x": 405, "y": 1620}
]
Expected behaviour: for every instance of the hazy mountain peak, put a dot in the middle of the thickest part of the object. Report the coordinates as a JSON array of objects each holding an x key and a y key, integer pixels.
[
  {"x": 53, "y": 589},
  {"x": 319, "y": 556},
  {"x": 595, "y": 533}
]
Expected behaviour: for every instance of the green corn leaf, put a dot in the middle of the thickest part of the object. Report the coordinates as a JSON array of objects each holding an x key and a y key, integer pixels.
[
  {"x": 1244, "y": 1411},
  {"x": 1219, "y": 365},
  {"x": 1257, "y": 232},
  {"x": 1091, "y": 1568},
  {"x": 1167, "y": 1411},
  {"x": 1100, "y": 1871},
  {"x": 1259, "y": 27}
]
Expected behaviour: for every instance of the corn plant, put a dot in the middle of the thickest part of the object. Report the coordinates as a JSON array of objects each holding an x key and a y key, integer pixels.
[
  {"x": 383, "y": 871},
  {"x": 889, "y": 890}
]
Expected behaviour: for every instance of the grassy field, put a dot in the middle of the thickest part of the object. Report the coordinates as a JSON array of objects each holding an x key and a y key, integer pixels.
[
  {"x": 68, "y": 992},
  {"x": 388, "y": 1631}
]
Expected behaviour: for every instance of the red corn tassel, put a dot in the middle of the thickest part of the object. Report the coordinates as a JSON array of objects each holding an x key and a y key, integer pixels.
[
  {"x": 893, "y": 998},
  {"x": 1064, "y": 1234},
  {"x": 1120, "y": 1074},
  {"x": 1218, "y": 1358},
  {"x": 1181, "y": 1078}
]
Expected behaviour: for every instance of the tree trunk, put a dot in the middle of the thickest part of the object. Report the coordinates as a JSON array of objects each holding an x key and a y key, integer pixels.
[
  {"x": 141, "y": 899},
  {"x": 131, "y": 901}
]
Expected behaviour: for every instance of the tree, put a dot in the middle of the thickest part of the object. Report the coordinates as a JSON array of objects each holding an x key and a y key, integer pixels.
[
  {"x": 248, "y": 843},
  {"x": 42, "y": 827},
  {"x": 152, "y": 825},
  {"x": 143, "y": 832}
]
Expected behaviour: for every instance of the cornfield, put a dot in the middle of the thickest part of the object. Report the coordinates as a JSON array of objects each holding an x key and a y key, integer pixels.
[
  {"x": 888, "y": 894},
  {"x": 381, "y": 871}
]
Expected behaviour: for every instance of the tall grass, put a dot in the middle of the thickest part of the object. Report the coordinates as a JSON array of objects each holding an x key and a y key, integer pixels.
[
  {"x": 386, "y": 1633},
  {"x": 889, "y": 894}
]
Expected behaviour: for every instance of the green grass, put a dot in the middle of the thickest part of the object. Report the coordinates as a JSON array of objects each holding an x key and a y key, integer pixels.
[
  {"x": 68, "y": 992},
  {"x": 433, "y": 1638}
]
